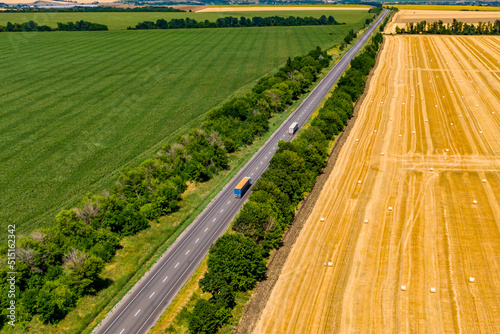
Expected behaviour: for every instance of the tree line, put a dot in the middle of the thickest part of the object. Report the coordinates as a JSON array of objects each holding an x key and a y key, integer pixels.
[
  {"x": 237, "y": 261},
  {"x": 454, "y": 28},
  {"x": 95, "y": 9},
  {"x": 58, "y": 265},
  {"x": 226, "y": 22},
  {"x": 387, "y": 18},
  {"x": 31, "y": 26}
]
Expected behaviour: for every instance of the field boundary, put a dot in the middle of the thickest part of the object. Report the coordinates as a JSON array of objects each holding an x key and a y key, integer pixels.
[{"x": 263, "y": 290}]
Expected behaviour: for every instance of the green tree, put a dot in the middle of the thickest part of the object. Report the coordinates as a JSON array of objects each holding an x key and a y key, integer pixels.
[
  {"x": 238, "y": 260},
  {"x": 206, "y": 318}
]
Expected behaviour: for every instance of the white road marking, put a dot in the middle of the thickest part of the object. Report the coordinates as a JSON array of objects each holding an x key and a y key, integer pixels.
[
  {"x": 252, "y": 174},
  {"x": 174, "y": 267},
  {"x": 265, "y": 157},
  {"x": 187, "y": 252},
  {"x": 122, "y": 331},
  {"x": 197, "y": 240},
  {"x": 137, "y": 313},
  {"x": 256, "y": 167},
  {"x": 151, "y": 295},
  {"x": 261, "y": 162},
  {"x": 214, "y": 219},
  {"x": 221, "y": 210},
  {"x": 165, "y": 279},
  {"x": 228, "y": 202},
  {"x": 206, "y": 229}
]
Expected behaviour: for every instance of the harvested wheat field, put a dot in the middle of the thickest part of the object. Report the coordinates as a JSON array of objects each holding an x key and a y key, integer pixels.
[
  {"x": 403, "y": 17},
  {"x": 421, "y": 167},
  {"x": 447, "y": 16}
]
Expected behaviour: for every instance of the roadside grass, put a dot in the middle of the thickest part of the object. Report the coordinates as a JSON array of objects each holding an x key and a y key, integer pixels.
[
  {"x": 121, "y": 20},
  {"x": 77, "y": 107},
  {"x": 444, "y": 7}
]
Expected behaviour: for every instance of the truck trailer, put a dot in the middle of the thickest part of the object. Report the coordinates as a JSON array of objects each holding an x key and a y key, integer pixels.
[
  {"x": 293, "y": 128},
  {"x": 242, "y": 187}
]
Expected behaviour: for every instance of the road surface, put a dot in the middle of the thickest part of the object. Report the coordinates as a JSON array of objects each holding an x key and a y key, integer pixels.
[{"x": 142, "y": 308}]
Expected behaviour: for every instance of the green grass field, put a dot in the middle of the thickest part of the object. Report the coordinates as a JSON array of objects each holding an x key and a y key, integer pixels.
[
  {"x": 122, "y": 20},
  {"x": 77, "y": 107}
]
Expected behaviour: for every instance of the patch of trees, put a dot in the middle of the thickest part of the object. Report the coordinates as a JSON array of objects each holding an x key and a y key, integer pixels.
[
  {"x": 81, "y": 26},
  {"x": 236, "y": 262},
  {"x": 95, "y": 9},
  {"x": 351, "y": 35},
  {"x": 70, "y": 26},
  {"x": 454, "y": 28},
  {"x": 58, "y": 265},
  {"x": 375, "y": 10},
  {"x": 231, "y": 22}
]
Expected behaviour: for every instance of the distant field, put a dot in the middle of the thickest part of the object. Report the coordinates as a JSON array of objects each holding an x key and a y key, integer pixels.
[
  {"x": 263, "y": 8},
  {"x": 79, "y": 106},
  {"x": 445, "y": 7},
  {"x": 122, "y": 20},
  {"x": 411, "y": 209}
]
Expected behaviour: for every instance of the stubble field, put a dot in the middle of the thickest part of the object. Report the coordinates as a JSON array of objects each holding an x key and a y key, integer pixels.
[
  {"x": 403, "y": 17},
  {"x": 421, "y": 166}
]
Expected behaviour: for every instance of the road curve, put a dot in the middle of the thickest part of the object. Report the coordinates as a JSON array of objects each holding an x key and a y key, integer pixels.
[{"x": 140, "y": 309}]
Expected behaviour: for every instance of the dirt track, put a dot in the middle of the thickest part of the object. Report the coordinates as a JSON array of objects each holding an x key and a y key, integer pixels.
[{"x": 430, "y": 173}]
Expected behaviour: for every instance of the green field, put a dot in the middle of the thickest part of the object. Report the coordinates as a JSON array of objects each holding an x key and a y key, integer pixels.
[
  {"x": 77, "y": 107},
  {"x": 122, "y": 20}
]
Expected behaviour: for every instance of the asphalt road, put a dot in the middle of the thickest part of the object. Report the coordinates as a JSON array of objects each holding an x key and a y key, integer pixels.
[{"x": 139, "y": 310}]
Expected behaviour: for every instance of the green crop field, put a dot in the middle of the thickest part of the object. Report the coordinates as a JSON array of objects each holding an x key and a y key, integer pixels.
[
  {"x": 77, "y": 107},
  {"x": 122, "y": 20}
]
